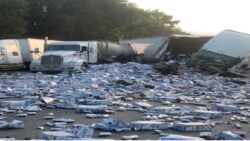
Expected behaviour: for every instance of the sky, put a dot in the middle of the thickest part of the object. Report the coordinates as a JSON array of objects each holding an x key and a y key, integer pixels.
[{"x": 203, "y": 17}]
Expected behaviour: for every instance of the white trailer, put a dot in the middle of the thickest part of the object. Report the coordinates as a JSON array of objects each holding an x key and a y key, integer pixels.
[
  {"x": 19, "y": 53},
  {"x": 31, "y": 49},
  {"x": 10, "y": 55}
]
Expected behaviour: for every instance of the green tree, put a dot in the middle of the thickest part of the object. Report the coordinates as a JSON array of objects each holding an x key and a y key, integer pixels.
[
  {"x": 96, "y": 20},
  {"x": 12, "y": 18},
  {"x": 45, "y": 18}
]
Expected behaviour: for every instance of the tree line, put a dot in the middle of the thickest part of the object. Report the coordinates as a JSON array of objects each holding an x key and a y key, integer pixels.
[{"x": 82, "y": 20}]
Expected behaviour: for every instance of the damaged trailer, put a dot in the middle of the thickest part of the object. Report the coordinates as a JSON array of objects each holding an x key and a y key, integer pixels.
[
  {"x": 139, "y": 45},
  {"x": 185, "y": 44},
  {"x": 155, "y": 49},
  {"x": 224, "y": 50}
]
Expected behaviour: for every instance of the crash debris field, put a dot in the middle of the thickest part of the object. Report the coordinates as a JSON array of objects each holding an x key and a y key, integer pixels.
[
  {"x": 178, "y": 87},
  {"x": 124, "y": 101}
]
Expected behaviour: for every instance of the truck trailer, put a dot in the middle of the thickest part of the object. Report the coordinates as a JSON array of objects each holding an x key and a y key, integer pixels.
[
  {"x": 76, "y": 55},
  {"x": 19, "y": 53}
]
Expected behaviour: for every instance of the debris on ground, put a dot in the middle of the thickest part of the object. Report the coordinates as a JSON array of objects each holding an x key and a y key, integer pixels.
[
  {"x": 105, "y": 134},
  {"x": 14, "y": 124},
  {"x": 192, "y": 126},
  {"x": 149, "y": 125},
  {"x": 115, "y": 100},
  {"x": 78, "y": 132},
  {"x": 170, "y": 67},
  {"x": 112, "y": 125},
  {"x": 92, "y": 109},
  {"x": 179, "y": 137},
  {"x": 227, "y": 135},
  {"x": 225, "y": 108},
  {"x": 131, "y": 137}
]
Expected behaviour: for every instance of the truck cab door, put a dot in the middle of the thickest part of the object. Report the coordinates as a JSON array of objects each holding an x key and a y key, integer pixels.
[{"x": 85, "y": 54}]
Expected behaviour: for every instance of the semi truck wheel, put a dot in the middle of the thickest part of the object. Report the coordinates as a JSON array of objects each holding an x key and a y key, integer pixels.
[
  {"x": 84, "y": 66},
  {"x": 27, "y": 65}
]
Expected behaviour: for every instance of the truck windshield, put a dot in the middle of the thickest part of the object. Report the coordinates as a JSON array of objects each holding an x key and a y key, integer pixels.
[{"x": 63, "y": 48}]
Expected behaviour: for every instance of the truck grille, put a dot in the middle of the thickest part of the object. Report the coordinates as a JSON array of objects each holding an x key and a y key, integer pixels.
[{"x": 51, "y": 61}]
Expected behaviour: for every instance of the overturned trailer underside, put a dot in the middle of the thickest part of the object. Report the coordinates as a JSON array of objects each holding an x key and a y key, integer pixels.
[{"x": 224, "y": 50}]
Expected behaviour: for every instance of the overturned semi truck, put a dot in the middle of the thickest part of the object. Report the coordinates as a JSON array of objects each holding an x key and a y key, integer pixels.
[{"x": 76, "y": 55}]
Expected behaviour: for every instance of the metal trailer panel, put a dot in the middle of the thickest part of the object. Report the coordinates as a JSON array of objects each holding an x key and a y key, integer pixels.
[
  {"x": 12, "y": 54},
  {"x": 3, "y": 53},
  {"x": 229, "y": 43},
  {"x": 186, "y": 44},
  {"x": 155, "y": 49},
  {"x": 139, "y": 48},
  {"x": 31, "y": 49},
  {"x": 225, "y": 50},
  {"x": 152, "y": 49},
  {"x": 37, "y": 48},
  {"x": 24, "y": 49},
  {"x": 141, "y": 44}
]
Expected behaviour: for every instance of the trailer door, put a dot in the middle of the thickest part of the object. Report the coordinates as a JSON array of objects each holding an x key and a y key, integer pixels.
[
  {"x": 36, "y": 48},
  {"x": 25, "y": 50},
  {"x": 13, "y": 52},
  {"x": 3, "y": 57}
]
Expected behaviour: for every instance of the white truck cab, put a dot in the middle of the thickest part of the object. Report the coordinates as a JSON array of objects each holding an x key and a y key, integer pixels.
[{"x": 66, "y": 55}]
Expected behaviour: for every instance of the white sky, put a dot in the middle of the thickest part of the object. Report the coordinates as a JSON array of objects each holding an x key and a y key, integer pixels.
[{"x": 204, "y": 16}]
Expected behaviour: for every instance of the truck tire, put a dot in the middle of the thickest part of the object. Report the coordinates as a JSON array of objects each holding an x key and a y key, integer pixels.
[
  {"x": 27, "y": 65},
  {"x": 84, "y": 66}
]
